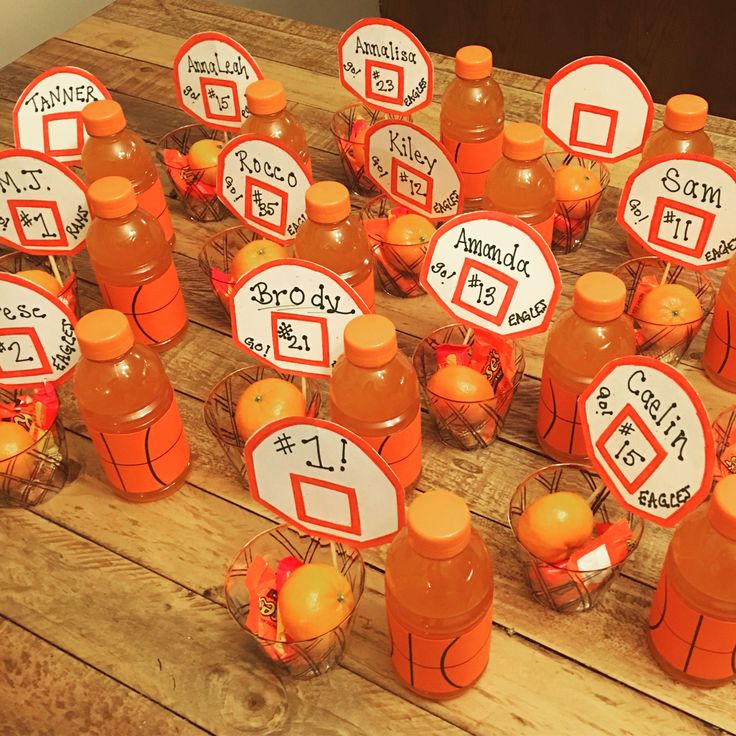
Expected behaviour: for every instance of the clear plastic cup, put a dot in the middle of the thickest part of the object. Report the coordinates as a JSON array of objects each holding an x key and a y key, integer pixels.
[{"x": 724, "y": 437}]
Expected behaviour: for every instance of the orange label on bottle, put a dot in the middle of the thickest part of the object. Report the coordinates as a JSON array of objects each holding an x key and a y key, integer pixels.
[
  {"x": 474, "y": 160},
  {"x": 689, "y": 641},
  {"x": 155, "y": 310},
  {"x": 147, "y": 460},
  {"x": 544, "y": 228},
  {"x": 440, "y": 666},
  {"x": 152, "y": 200},
  {"x": 367, "y": 292},
  {"x": 719, "y": 355},
  {"x": 558, "y": 419},
  {"x": 402, "y": 450}
]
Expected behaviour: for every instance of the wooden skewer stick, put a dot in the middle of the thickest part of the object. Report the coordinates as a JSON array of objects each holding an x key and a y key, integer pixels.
[
  {"x": 665, "y": 274},
  {"x": 55, "y": 270},
  {"x": 467, "y": 337},
  {"x": 304, "y": 387},
  {"x": 596, "y": 498},
  {"x": 333, "y": 552}
]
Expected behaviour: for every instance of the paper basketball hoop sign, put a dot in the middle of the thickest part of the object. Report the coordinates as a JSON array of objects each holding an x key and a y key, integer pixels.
[
  {"x": 325, "y": 480},
  {"x": 648, "y": 435},
  {"x": 411, "y": 166},
  {"x": 493, "y": 272},
  {"x": 682, "y": 208},
  {"x": 292, "y": 314},
  {"x": 597, "y": 107},
  {"x": 263, "y": 185},
  {"x": 37, "y": 340},
  {"x": 385, "y": 65},
  {"x": 43, "y": 205},
  {"x": 211, "y": 72},
  {"x": 48, "y": 114}
]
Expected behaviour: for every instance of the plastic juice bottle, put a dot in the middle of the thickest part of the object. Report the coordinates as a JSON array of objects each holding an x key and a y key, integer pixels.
[
  {"x": 133, "y": 264},
  {"x": 520, "y": 183},
  {"x": 335, "y": 239},
  {"x": 114, "y": 150},
  {"x": 269, "y": 117},
  {"x": 583, "y": 339},
  {"x": 374, "y": 392},
  {"x": 692, "y": 624},
  {"x": 439, "y": 597},
  {"x": 719, "y": 356},
  {"x": 471, "y": 119},
  {"x": 127, "y": 402},
  {"x": 682, "y": 132}
]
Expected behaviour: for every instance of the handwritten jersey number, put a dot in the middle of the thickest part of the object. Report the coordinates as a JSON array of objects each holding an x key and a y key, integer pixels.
[
  {"x": 319, "y": 464},
  {"x": 486, "y": 294},
  {"x": 17, "y": 358},
  {"x": 631, "y": 457}
]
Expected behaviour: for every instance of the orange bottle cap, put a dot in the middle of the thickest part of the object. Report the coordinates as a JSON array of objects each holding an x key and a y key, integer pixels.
[
  {"x": 265, "y": 97},
  {"x": 438, "y": 524},
  {"x": 104, "y": 334},
  {"x": 473, "y": 62},
  {"x": 599, "y": 296},
  {"x": 112, "y": 196},
  {"x": 328, "y": 201},
  {"x": 722, "y": 507},
  {"x": 370, "y": 340},
  {"x": 103, "y": 117},
  {"x": 523, "y": 141},
  {"x": 685, "y": 113}
]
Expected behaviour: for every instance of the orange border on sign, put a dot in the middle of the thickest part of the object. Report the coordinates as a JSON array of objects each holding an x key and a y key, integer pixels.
[
  {"x": 301, "y": 511},
  {"x": 31, "y": 332},
  {"x": 41, "y": 77},
  {"x": 606, "y": 112},
  {"x": 413, "y": 40},
  {"x": 514, "y": 222},
  {"x": 46, "y": 204},
  {"x": 607, "y": 61},
  {"x": 506, "y": 280},
  {"x": 702, "y": 492},
  {"x": 77, "y": 117},
  {"x": 257, "y": 271},
  {"x": 322, "y": 362},
  {"x": 222, "y": 38},
  {"x": 707, "y": 217},
  {"x": 205, "y": 82},
  {"x": 371, "y": 94},
  {"x": 626, "y": 193},
  {"x": 272, "y": 428}
]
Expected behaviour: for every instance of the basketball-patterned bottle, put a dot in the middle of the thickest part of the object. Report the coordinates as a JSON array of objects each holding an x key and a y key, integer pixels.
[
  {"x": 719, "y": 356},
  {"x": 113, "y": 149},
  {"x": 133, "y": 264},
  {"x": 439, "y": 598},
  {"x": 374, "y": 392},
  {"x": 127, "y": 402},
  {"x": 692, "y": 624},
  {"x": 580, "y": 343}
]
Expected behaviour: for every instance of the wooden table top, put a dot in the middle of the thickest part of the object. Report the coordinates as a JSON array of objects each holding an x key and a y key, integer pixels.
[{"x": 112, "y": 615}]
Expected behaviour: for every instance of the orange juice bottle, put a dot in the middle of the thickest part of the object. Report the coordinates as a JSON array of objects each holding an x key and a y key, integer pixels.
[
  {"x": 719, "y": 356},
  {"x": 520, "y": 183},
  {"x": 682, "y": 132},
  {"x": 439, "y": 598},
  {"x": 269, "y": 117},
  {"x": 471, "y": 119},
  {"x": 692, "y": 624},
  {"x": 114, "y": 150},
  {"x": 335, "y": 239},
  {"x": 127, "y": 402},
  {"x": 581, "y": 341},
  {"x": 374, "y": 392},
  {"x": 133, "y": 264}
]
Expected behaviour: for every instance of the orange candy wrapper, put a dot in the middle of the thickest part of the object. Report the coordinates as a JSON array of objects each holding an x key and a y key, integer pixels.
[
  {"x": 354, "y": 149},
  {"x": 35, "y": 412}
]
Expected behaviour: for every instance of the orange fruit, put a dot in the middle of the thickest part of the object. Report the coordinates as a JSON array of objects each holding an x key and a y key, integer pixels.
[
  {"x": 266, "y": 401},
  {"x": 668, "y": 314},
  {"x": 254, "y": 254},
  {"x": 554, "y": 525},
  {"x": 579, "y": 188},
  {"x": 404, "y": 247},
  {"x": 15, "y": 461},
  {"x": 461, "y": 383},
  {"x": 314, "y": 600},
  {"x": 202, "y": 157},
  {"x": 409, "y": 230},
  {"x": 41, "y": 278}
]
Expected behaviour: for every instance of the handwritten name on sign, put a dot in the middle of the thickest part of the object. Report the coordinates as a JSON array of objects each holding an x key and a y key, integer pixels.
[
  {"x": 211, "y": 72},
  {"x": 48, "y": 114},
  {"x": 411, "y": 166},
  {"x": 43, "y": 205},
  {"x": 649, "y": 437},
  {"x": 325, "y": 480},
  {"x": 291, "y": 314},
  {"x": 263, "y": 185},
  {"x": 385, "y": 65},
  {"x": 37, "y": 340},
  {"x": 493, "y": 272},
  {"x": 598, "y": 106},
  {"x": 683, "y": 208}
]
